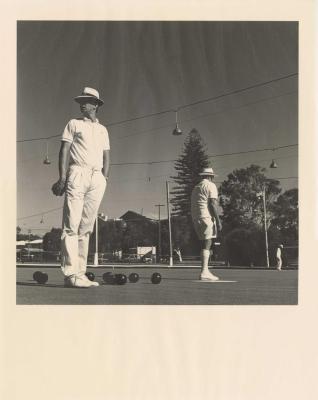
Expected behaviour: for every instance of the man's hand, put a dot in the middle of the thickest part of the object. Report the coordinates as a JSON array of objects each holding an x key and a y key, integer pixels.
[
  {"x": 58, "y": 187},
  {"x": 218, "y": 227}
]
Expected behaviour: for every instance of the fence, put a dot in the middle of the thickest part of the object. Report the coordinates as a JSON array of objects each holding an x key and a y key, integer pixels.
[{"x": 38, "y": 256}]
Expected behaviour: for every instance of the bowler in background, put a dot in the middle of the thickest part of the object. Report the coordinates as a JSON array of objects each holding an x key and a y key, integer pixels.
[{"x": 206, "y": 222}]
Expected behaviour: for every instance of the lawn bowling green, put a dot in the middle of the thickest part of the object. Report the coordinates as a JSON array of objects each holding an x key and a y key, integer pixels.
[{"x": 178, "y": 286}]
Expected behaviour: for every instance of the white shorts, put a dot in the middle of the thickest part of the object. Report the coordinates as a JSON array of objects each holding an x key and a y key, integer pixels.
[{"x": 205, "y": 228}]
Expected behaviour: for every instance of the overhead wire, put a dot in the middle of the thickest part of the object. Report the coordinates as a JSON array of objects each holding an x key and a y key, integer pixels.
[
  {"x": 41, "y": 213},
  {"x": 210, "y": 156},
  {"x": 212, "y": 98},
  {"x": 206, "y": 115}
]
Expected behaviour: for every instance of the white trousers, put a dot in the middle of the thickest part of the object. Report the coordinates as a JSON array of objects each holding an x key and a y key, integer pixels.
[{"x": 85, "y": 188}]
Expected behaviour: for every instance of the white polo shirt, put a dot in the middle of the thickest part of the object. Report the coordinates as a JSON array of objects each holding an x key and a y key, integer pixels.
[
  {"x": 201, "y": 193},
  {"x": 89, "y": 139}
]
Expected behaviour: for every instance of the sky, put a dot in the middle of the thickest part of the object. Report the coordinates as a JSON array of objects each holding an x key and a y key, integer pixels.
[{"x": 248, "y": 70}]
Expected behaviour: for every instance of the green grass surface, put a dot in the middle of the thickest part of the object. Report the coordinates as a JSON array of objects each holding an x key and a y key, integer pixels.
[{"x": 178, "y": 287}]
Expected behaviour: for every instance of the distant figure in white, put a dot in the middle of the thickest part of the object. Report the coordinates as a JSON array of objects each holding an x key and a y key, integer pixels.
[
  {"x": 206, "y": 222},
  {"x": 83, "y": 174},
  {"x": 178, "y": 253},
  {"x": 279, "y": 257}
]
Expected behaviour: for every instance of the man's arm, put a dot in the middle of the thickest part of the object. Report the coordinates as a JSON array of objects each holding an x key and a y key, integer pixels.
[
  {"x": 64, "y": 155},
  {"x": 213, "y": 204},
  {"x": 106, "y": 163}
]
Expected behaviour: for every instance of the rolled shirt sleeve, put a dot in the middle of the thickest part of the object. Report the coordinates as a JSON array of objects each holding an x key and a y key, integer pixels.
[
  {"x": 68, "y": 133},
  {"x": 212, "y": 191},
  {"x": 106, "y": 145}
]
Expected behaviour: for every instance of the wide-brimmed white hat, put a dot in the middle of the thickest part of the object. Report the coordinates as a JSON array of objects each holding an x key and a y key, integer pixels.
[
  {"x": 89, "y": 93},
  {"x": 207, "y": 171}
]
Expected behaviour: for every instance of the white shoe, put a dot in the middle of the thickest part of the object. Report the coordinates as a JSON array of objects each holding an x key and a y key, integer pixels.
[
  {"x": 208, "y": 277},
  {"x": 92, "y": 283},
  {"x": 78, "y": 281}
]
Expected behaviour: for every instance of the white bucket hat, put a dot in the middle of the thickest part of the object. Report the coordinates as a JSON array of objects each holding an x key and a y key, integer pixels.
[
  {"x": 207, "y": 171},
  {"x": 89, "y": 93}
]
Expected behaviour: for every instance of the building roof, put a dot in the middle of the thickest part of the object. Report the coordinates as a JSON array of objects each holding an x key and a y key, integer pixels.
[
  {"x": 36, "y": 241},
  {"x": 132, "y": 215}
]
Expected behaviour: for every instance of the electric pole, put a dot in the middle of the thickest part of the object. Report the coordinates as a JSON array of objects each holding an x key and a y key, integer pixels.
[
  {"x": 169, "y": 225},
  {"x": 159, "y": 232},
  {"x": 265, "y": 226}
]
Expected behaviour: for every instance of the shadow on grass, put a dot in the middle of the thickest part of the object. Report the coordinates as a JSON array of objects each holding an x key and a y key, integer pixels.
[{"x": 48, "y": 285}]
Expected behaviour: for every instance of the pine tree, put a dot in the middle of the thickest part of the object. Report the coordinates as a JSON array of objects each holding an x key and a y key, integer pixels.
[{"x": 192, "y": 160}]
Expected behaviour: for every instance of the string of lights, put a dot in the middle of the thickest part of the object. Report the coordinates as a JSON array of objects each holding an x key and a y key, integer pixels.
[
  {"x": 207, "y": 115},
  {"x": 219, "y": 168},
  {"x": 210, "y": 156},
  {"x": 184, "y": 121},
  {"x": 213, "y": 98},
  {"x": 168, "y": 175}
]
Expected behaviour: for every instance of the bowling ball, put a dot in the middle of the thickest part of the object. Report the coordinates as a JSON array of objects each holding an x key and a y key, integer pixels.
[
  {"x": 36, "y": 275},
  {"x": 133, "y": 277},
  {"x": 90, "y": 275},
  {"x": 42, "y": 277},
  {"x": 109, "y": 278},
  {"x": 155, "y": 278},
  {"x": 120, "y": 279}
]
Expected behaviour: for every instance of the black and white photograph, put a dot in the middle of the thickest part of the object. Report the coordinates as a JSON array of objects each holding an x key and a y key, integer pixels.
[
  {"x": 159, "y": 200},
  {"x": 157, "y": 162}
]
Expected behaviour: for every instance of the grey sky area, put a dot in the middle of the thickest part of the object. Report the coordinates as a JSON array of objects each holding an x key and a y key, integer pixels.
[{"x": 248, "y": 70}]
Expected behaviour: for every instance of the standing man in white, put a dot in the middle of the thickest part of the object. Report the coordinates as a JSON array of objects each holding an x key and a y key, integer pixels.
[
  {"x": 206, "y": 222},
  {"x": 83, "y": 169}
]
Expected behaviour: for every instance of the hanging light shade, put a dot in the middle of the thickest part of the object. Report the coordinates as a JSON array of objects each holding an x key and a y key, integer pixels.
[
  {"x": 177, "y": 131},
  {"x": 47, "y": 161},
  {"x": 273, "y": 164}
]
